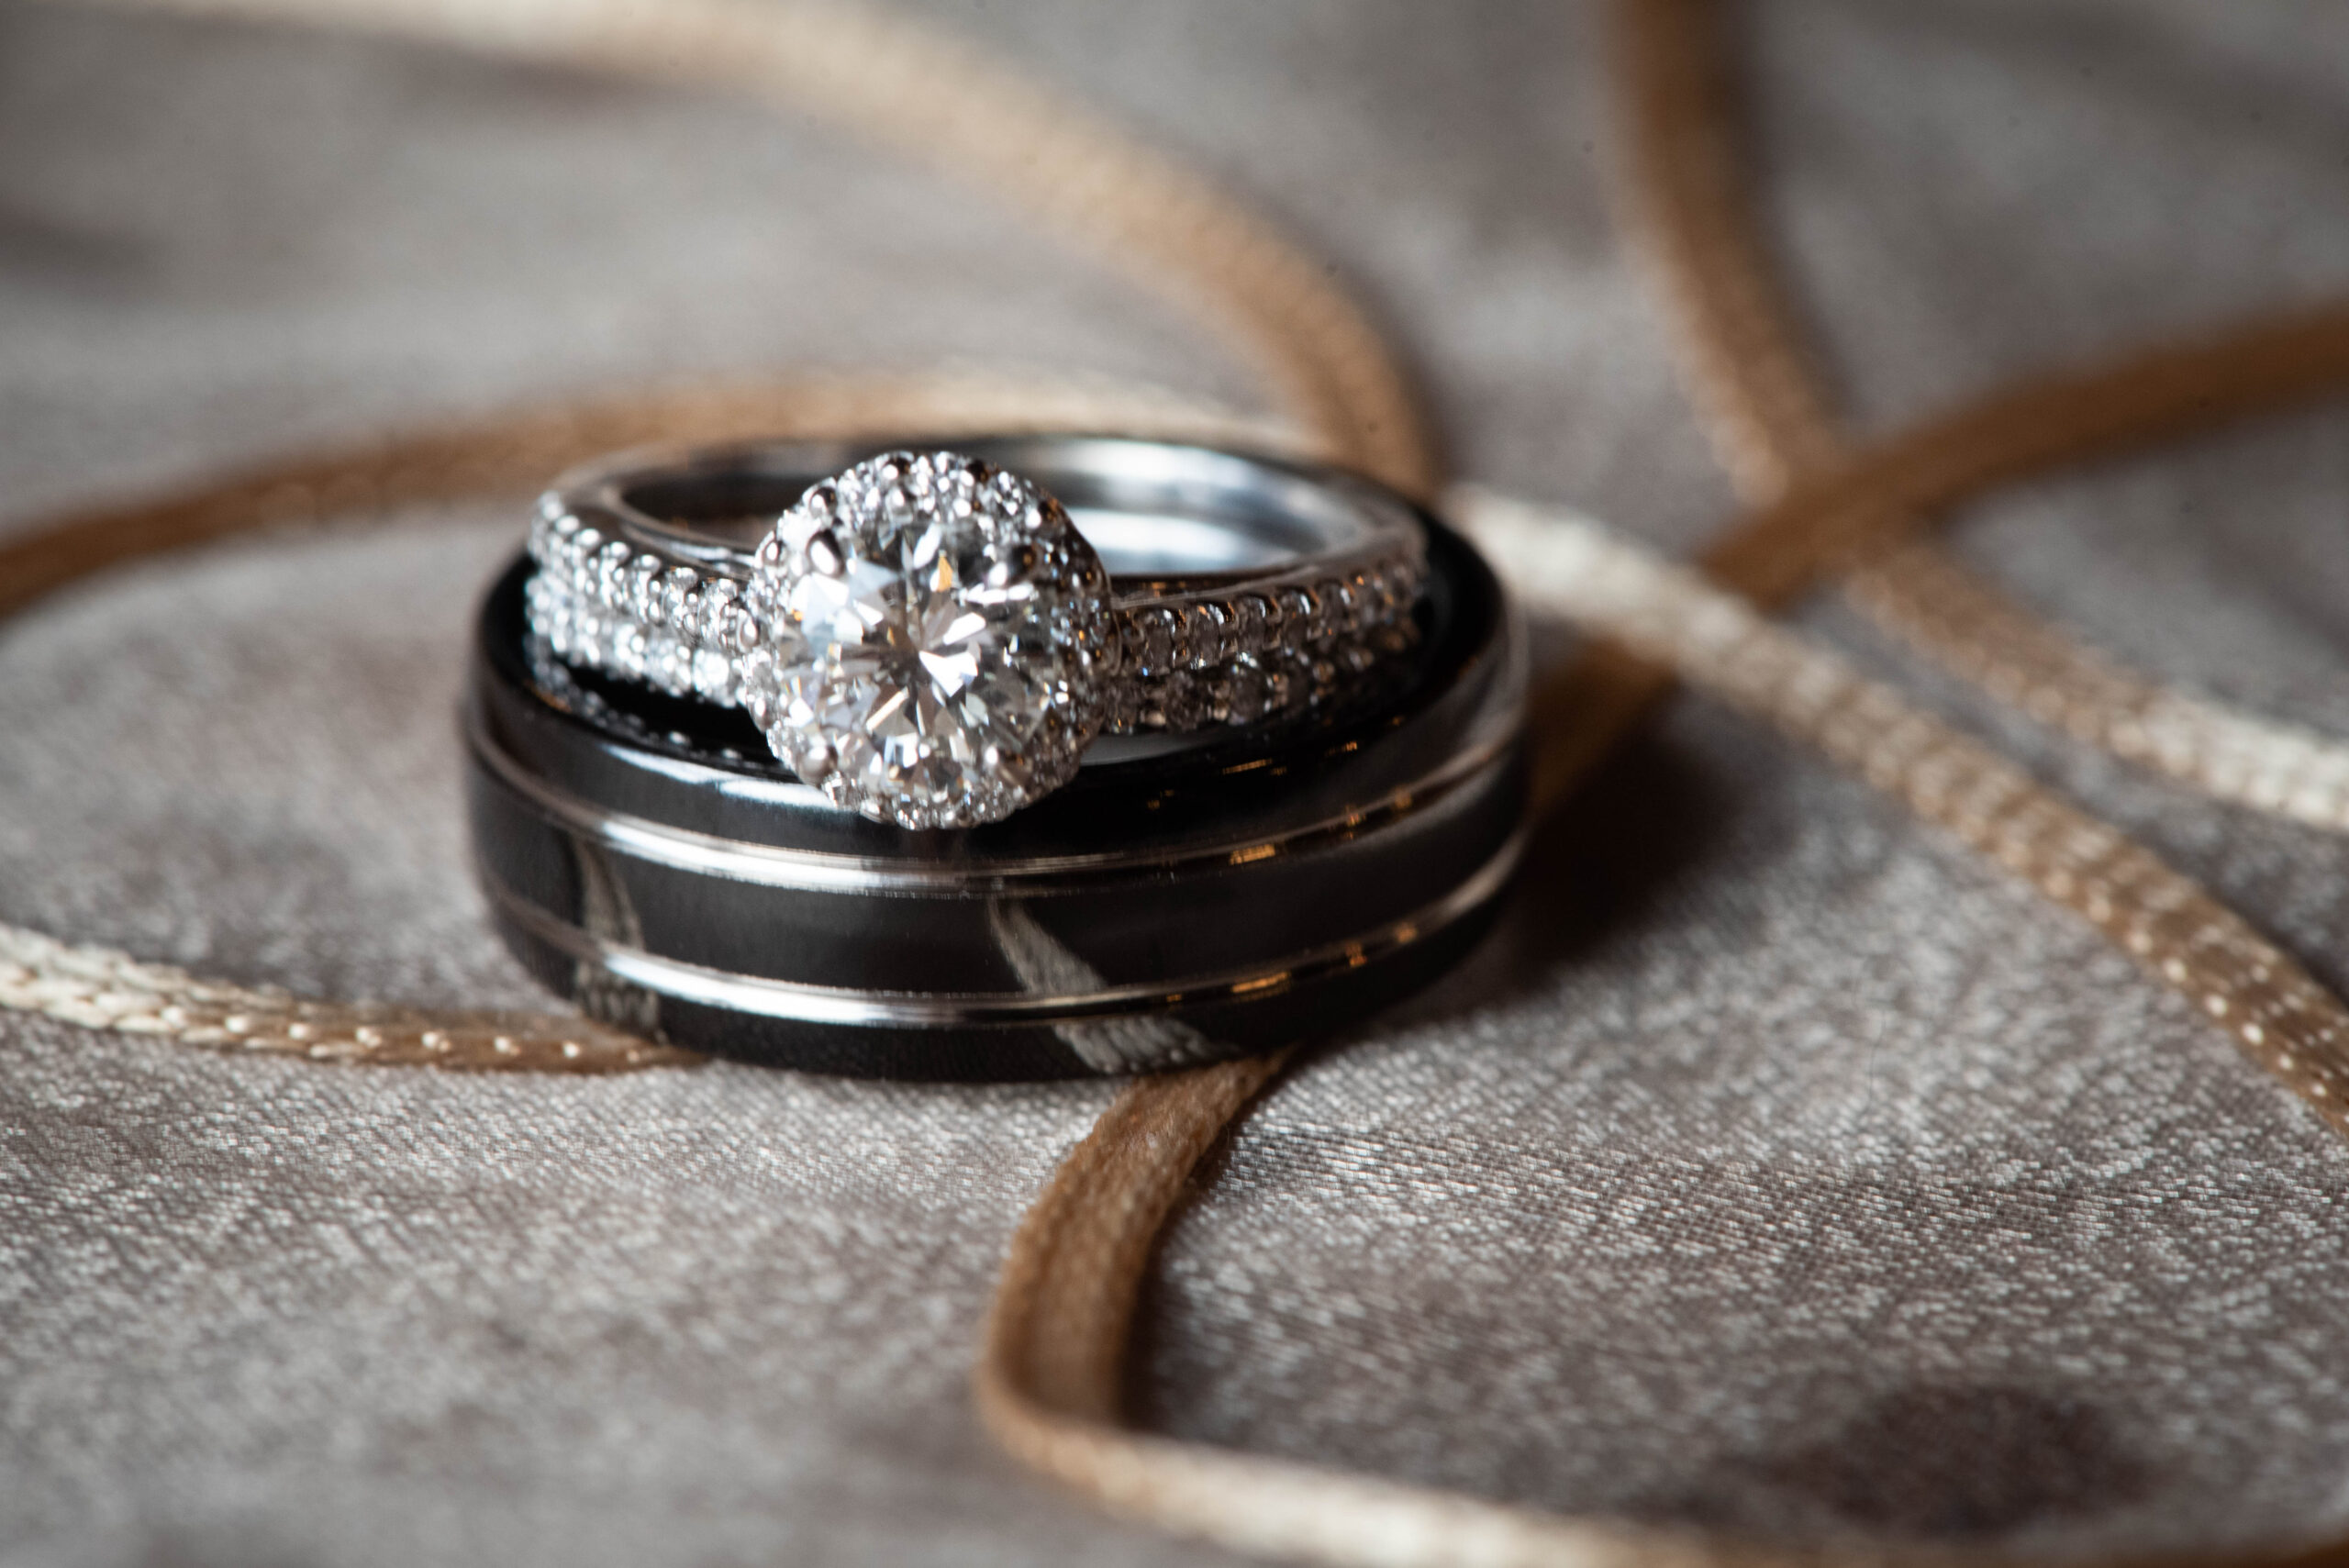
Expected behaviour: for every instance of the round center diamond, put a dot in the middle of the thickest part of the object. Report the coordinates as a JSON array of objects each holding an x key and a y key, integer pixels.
[{"x": 936, "y": 636}]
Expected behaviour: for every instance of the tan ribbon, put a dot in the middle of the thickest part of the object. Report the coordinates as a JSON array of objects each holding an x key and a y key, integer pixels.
[{"x": 1766, "y": 409}]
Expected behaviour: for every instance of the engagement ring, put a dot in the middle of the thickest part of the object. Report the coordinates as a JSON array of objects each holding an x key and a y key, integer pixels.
[{"x": 934, "y": 638}]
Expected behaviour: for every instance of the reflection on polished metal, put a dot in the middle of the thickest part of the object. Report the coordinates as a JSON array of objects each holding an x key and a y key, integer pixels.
[
  {"x": 1185, "y": 897},
  {"x": 933, "y": 641},
  {"x": 825, "y": 871},
  {"x": 1079, "y": 993}
]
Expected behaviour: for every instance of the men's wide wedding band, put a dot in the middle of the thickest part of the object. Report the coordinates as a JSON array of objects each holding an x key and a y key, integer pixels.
[{"x": 932, "y": 638}]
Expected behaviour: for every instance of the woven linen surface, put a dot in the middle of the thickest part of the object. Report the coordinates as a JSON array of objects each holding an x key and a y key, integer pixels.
[{"x": 1778, "y": 1166}]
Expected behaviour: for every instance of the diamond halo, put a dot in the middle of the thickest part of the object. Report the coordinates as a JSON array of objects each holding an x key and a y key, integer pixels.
[{"x": 933, "y": 640}]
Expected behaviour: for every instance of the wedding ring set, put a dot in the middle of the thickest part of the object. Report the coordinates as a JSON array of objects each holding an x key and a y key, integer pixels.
[{"x": 996, "y": 758}]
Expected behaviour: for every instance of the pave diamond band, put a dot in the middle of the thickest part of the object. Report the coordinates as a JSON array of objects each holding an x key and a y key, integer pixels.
[{"x": 932, "y": 638}]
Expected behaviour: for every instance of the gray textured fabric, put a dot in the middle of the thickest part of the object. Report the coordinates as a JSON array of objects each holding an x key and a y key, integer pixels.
[{"x": 1777, "y": 1165}]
